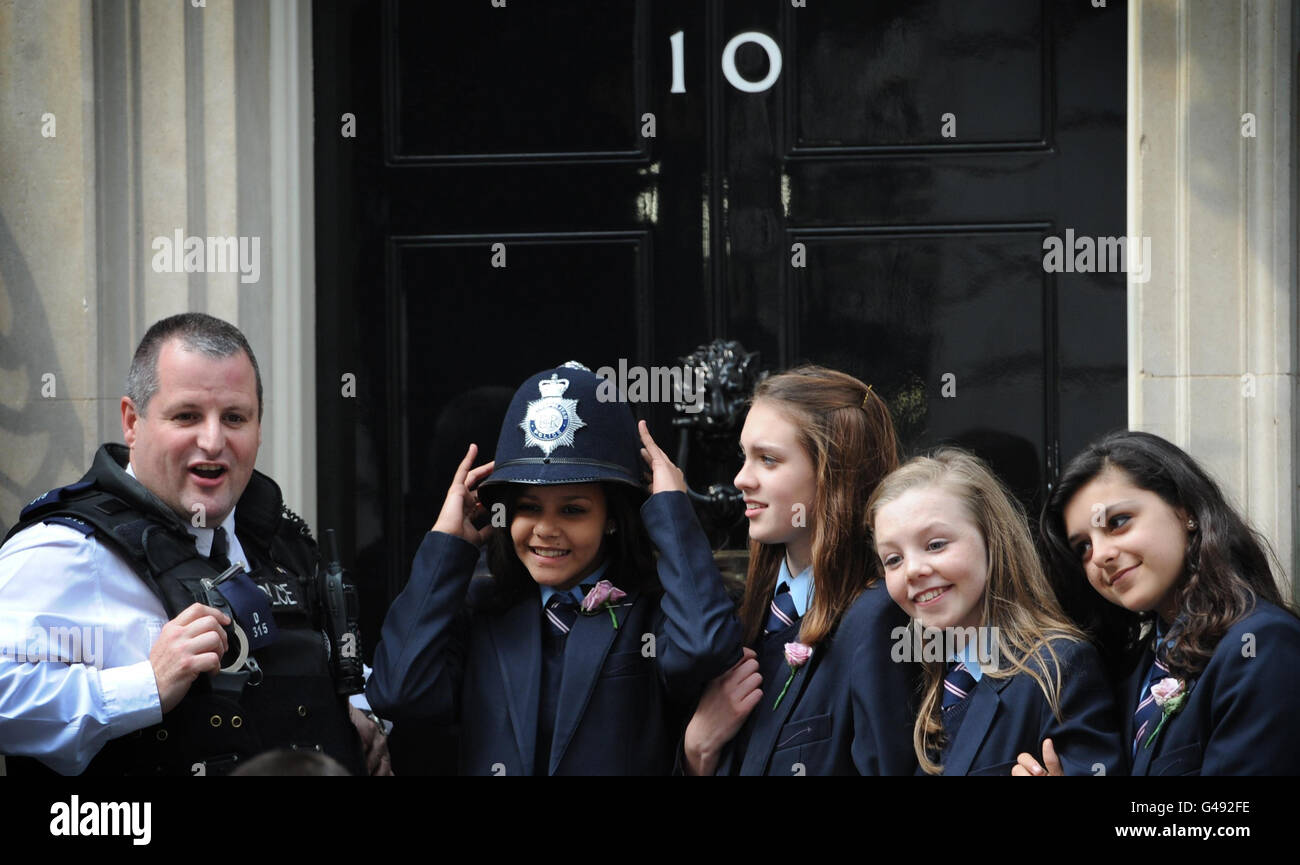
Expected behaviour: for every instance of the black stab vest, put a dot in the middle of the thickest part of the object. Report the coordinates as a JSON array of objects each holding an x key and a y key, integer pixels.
[{"x": 290, "y": 702}]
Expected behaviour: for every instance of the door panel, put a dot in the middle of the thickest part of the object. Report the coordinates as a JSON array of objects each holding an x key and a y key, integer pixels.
[
  {"x": 870, "y": 76},
  {"x": 532, "y": 81}
]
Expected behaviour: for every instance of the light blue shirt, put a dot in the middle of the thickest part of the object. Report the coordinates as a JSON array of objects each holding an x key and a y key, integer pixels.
[
  {"x": 63, "y": 709},
  {"x": 801, "y": 587},
  {"x": 969, "y": 655},
  {"x": 577, "y": 592}
]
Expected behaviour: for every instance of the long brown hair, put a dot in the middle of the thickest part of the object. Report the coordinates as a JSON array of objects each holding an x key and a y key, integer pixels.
[
  {"x": 847, "y": 433},
  {"x": 1018, "y": 599},
  {"x": 1227, "y": 565}
]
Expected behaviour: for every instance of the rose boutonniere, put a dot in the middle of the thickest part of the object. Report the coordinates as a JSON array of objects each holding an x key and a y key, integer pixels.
[
  {"x": 603, "y": 594},
  {"x": 1170, "y": 695},
  {"x": 796, "y": 655}
]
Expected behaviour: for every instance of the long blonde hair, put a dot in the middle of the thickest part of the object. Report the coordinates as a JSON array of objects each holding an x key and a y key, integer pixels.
[
  {"x": 1018, "y": 599},
  {"x": 848, "y": 435}
]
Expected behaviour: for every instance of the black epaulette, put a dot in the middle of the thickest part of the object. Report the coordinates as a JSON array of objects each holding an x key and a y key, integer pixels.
[
  {"x": 297, "y": 522},
  {"x": 84, "y": 507}
]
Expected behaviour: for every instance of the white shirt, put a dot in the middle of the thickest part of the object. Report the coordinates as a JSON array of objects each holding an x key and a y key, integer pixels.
[{"x": 62, "y": 709}]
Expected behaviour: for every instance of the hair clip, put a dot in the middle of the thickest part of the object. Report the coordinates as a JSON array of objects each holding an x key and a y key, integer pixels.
[{"x": 866, "y": 396}]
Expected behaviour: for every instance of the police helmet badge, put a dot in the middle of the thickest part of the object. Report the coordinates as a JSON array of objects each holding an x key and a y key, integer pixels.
[{"x": 552, "y": 420}]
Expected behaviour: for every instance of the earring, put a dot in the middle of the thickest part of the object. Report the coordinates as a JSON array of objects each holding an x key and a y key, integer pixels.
[
  {"x": 611, "y": 530},
  {"x": 1191, "y": 525}
]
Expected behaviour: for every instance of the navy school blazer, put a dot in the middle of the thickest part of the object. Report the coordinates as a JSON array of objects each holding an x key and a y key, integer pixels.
[
  {"x": 1241, "y": 712},
  {"x": 622, "y": 702},
  {"x": 1011, "y": 715},
  {"x": 848, "y": 709}
]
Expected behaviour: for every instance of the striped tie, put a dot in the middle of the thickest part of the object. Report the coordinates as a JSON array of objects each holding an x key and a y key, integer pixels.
[
  {"x": 561, "y": 613},
  {"x": 1148, "y": 713},
  {"x": 781, "y": 612},
  {"x": 957, "y": 685}
]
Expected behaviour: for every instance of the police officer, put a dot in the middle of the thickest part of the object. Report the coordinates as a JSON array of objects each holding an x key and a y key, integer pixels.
[{"x": 177, "y": 612}]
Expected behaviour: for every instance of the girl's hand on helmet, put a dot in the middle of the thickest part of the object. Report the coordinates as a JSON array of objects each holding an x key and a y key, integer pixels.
[
  {"x": 664, "y": 475},
  {"x": 462, "y": 506}
]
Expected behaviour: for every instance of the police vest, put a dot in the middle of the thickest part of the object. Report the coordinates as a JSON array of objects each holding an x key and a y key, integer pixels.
[{"x": 285, "y": 698}]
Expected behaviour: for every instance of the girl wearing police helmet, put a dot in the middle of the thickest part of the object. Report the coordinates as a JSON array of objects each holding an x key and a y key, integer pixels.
[{"x": 574, "y": 657}]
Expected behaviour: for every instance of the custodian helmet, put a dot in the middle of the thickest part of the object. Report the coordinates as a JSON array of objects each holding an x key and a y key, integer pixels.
[{"x": 559, "y": 431}]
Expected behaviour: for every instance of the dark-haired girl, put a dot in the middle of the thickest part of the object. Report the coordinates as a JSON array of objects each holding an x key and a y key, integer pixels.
[
  {"x": 574, "y": 657},
  {"x": 1215, "y": 689},
  {"x": 818, "y": 619}
]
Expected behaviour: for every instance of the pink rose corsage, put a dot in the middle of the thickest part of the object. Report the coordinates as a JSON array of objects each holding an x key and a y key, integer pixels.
[
  {"x": 796, "y": 655},
  {"x": 1170, "y": 694},
  {"x": 603, "y": 594}
]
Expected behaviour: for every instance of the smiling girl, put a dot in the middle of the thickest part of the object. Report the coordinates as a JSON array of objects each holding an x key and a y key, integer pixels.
[
  {"x": 958, "y": 557},
  {"x": 1214, "y": 652},
  {"x": 816, "y": 615},
  {"x": 573, "y": 657}
]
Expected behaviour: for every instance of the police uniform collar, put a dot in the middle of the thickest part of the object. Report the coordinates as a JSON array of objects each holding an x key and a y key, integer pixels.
[
  {"x": 203, "y": 535},
  {"x": 109, "y": 472},
  {"x": 258, "y": 509}
]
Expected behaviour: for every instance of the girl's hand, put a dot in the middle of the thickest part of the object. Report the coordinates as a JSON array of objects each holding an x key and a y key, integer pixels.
[
  {"x": 726, "y": 703},
  {"x": 1027, "y": 765},
  {"x": 664, "y": 475},
  {"x": 462, "y": 506}
]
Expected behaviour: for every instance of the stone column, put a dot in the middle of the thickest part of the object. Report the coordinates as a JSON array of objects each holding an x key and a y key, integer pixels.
[
  {"x": 126, "y": 121},
  {"x": 49, "y": 339},
  {"x": 1213, "y": 334}
]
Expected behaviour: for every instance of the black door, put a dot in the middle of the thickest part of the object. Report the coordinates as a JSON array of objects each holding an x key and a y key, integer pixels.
[{"x": 547, "y": 181}]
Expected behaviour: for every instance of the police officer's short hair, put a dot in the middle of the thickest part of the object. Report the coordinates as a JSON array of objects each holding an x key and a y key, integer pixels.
[{"x": 197, "y": 331}]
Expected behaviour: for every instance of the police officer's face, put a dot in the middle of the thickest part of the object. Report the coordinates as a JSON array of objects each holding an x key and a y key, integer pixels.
[
  {"x": 196, "y": 444},
  {"x": 558, "y": 531}
]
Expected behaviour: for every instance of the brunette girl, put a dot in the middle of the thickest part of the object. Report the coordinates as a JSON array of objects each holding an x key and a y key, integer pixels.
[
  {"x": 816, "y": 614},
  {"x": 1214, "y": 688}
]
